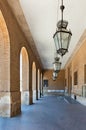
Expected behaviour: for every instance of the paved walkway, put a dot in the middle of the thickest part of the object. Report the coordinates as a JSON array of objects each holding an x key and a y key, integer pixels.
[
  {"x": 48, "y": 113},
  {"x": 80, "y": 99}
]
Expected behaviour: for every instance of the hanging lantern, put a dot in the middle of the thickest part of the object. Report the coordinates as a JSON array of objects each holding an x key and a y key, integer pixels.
[
  {"x": 57, "y": 65},
  {"x": 53, "y": 78},
  {"x": 55, "y": 74},
  {"x": 62, "y": 35}
]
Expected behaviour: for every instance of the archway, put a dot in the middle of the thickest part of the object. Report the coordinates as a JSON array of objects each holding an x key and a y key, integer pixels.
[
  {"x": 4, "y": 68},
  {"x": 39, "y": 93},
  {"x": 24, "y": 76},
  {"x": 34, "y": 81}
]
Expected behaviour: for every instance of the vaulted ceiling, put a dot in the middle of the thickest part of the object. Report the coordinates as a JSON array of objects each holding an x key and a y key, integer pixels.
[{"x": 40, "y": 18}]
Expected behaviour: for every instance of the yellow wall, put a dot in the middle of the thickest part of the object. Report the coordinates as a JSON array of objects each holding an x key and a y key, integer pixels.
[
  {"x": 77, "y": 64},
  {"x": 54, "y": 85}
]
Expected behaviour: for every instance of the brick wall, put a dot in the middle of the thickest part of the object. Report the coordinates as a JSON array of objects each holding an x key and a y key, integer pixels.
[
  {"x": 77, "y": 64},
  {"x": 54, "y": 85}
]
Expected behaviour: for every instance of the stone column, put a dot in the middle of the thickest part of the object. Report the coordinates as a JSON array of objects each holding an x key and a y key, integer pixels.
[
  {"x": 15, "y": 103},
  {"x": 15, "y": 94},
  {"x": 30, "y": 84}
]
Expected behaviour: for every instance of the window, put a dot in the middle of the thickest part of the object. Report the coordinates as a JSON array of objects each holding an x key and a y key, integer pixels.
[
  {"x": 45, "y": 83},
  {"x": 75, "y": 78}
]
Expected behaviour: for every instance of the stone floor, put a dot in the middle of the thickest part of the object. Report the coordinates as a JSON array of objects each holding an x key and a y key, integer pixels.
[
  {"x": 48, "y": 113},
  {"x": 80, "y": 99}
]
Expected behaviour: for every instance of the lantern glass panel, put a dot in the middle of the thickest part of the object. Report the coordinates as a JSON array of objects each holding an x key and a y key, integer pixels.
[
  {"x": 54, "y": 74},
  {"x": 57, "y": 66},
  {"x": 62, "y": 39},
  {"x": 56, "y": 40}
]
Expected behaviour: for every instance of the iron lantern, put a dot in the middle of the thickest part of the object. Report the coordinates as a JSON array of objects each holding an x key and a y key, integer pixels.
[{"x": 62, "y": 35}]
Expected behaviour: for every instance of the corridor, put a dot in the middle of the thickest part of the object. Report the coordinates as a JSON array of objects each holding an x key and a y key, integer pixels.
[{"x": 48, "y": 113}]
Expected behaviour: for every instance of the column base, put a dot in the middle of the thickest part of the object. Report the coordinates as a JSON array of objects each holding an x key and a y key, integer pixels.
[
  {"x": 10, "y": 104},
  {"x": 30, "y": 97},
  {"x": 15, "y": 103}
]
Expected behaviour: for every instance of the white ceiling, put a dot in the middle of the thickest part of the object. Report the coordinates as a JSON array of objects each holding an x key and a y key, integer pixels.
[{"x": 42, "y": 15}]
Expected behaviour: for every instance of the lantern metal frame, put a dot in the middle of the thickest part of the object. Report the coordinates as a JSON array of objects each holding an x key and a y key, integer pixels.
[
  {"x": 57, "y": 65},
  {"x": 62, "y": 35}
]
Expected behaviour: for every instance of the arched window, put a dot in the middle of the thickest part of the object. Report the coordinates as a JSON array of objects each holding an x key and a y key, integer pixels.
[
  {"x": 34, "y": 80},
  {"x": 24, "y": 76},
  {"x": 38, "y": 83}
]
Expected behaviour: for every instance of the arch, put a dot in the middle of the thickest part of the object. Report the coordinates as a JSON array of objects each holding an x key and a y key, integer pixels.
[
  {"x": 4, "y": 29},
  {"x": 38, "y": 83},
  {"x": 4, "y": 66},
  {"x": 34, "y": 81},
  {"x": 4, "y": 56},
  {"x": 24, "y": 76}
]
